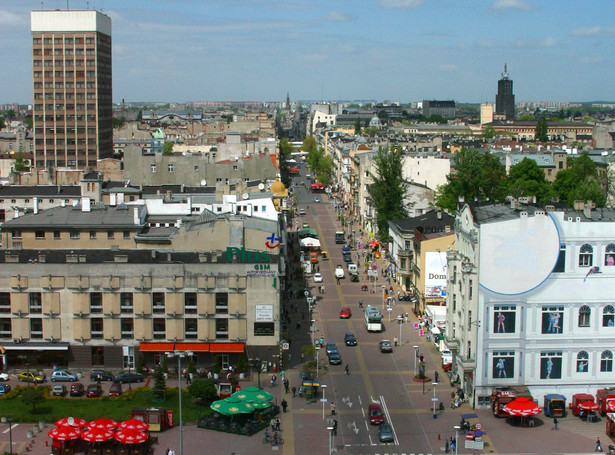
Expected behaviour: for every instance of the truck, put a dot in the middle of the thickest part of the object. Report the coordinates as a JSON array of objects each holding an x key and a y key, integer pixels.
[
  {"x": 603, "y": 397},
  {"x": 577, "y": 399},
  {"x": 555, "y": 405},
  {"x": 340, "y": 237},
  {"x": 339, "y": 272},
  {"x": 501, "y": 396}
]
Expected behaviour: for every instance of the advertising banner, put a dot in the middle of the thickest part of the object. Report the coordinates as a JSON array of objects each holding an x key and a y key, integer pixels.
[{"x": 435, "y": 274}]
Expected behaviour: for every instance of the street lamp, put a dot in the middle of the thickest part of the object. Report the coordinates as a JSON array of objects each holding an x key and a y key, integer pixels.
[
  {"x": 457, "y": 428},
  {"x": 28, "y": 373},
  {"x": 416, "y": 355},
  {"x": 434, "y": 399},
  {"x": 330, "y": 428},
  {"x": 180, "y": 355},
  {"x": 254, "y": 363},
  {"x": 9, "y": 420},
  {"x": 317, "y": 351}
]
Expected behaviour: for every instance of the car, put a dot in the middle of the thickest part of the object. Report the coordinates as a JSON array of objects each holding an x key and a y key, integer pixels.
[
  {"x": 58, "y": 390},
  {"x": 385, "y": 346},
  {"x": 350, "y": 339},
  {"x": 101, "y": 375},
  {"x": 30, "y": 376},
  {"x": 335, "y": 358},
  {"x": 301, "y": 212},
  {"x": 345, "y": 313},
  {"x": 4, "y": 377},
  {"x": 347, "y": 257},
  {"x": 76, "y": 390},
  {"x": 127, "y": 378},
  {"x": 339, "y": 272},
  {"x": 331, "y": 347},
  {"x": 63, "y": 376},
  {"x": 308, "y": 176},
  {"x": 447, "y": 356},
  {"x": 317, "y": 277},
  {"x": 375, "y": 414},
  {"x": 93, "y": 391},
  {"x": 115, "y": 390},
  {"x": 354, "y": 277},
  {"x": 385, "y": 433},
  {"x": 316, "y": 200},
  {"x": 4, "y": 388}
]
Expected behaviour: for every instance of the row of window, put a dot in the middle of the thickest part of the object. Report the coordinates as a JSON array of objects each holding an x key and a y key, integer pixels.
[
  {"x": 69, "y": 40},
  {"x": 75, "y": 235}
]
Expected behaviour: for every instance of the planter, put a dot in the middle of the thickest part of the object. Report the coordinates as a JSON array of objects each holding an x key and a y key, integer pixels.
[
  {"x": 35, "y": 430},
  {"x": 242, "y": 375},
  {"x": 30, "y": 434},
  {"x": 41, "y": 425}
]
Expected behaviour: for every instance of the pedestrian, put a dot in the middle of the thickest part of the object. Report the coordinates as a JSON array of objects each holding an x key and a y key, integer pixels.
[
  {"x": 332, "y": 409},
  {"x": 346, "y": 370},
  {"x": 322, "y": 341},
  {"x": 294, "y": 389},
  {"x": 171, "y": 452},
  {"x": 168, "y": 450},
  {"x": 272, "y": 423},
  {"x": 334, "y": 427},
  {"x": 421, "y": 358},
  {"x": 278, "y": 423},
  {"x": 323, "y": 288},
  {"x": 298, "y": 325},
  {"x": 273, "y": 379},
  {"x": 436, "y": 375},
  {"x": 554, "y": 424},
  {"x": 598, "y": 446},
  {"x": 189, "y": 378},
  {"x": 284, "y": 404},
  {"x": 301, "y": 392},
  {"x": 286, "y": 385},
  {"x": 395, "y": 341}
]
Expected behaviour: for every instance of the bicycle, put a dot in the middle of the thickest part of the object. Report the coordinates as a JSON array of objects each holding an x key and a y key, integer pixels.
[{"x": 275, "y": 440}]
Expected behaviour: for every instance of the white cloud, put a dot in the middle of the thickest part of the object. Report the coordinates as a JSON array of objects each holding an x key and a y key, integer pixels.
[
  {"x": 596, "y": 30},
  {"x": 407, "y": 4},
  {"x": 519, "y": 5},
  {"x": 11, "y": 20},
  {"x": 337, "y": 16},
  {"x": 536, "y": 43}
]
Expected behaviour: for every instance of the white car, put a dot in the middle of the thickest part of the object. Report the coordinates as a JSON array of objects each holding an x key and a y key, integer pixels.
[
  {"x": 447, "y": 356},
  {"x": 339, "y": 272},
  {"x": 317, "y": 278},
  {"x": 4, "y": 377}
]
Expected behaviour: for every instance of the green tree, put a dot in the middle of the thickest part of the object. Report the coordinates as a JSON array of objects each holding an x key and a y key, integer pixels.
[
  {"x": 580, "y": 181},
  {"x": 31, "y": 396},
  {"x": 389, "y": 189},
  {"x": 160, "y": 384},
  {"x": 203, "y": 390},
  {"x": 27, "y": 121},
  {"x": 167, "y": 149},
  {"x": 19, "y": 164},
  {"x": 2, "y": 123},
  {"x": 118, "y": 122},
  {"x": 164, "y": 365},
  {"x": 526, "y": 178},
  {"x": 140, "y": 115},
  {"x": 10, "y": 114},
  {"x": 488, "y": 132},
  {"x": 140, "y": 363},
  {"x": 357, "y": 126},
  {"x": 286, "y": 150},
  {"x": 542, "y": 129}
]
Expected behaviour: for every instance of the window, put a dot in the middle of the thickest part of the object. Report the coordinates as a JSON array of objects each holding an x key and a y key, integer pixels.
[
  {"x": 158, "y": 302},
  {"x": 552, "y": 319},
  {"x": 503, "y": 364},
  {"x": 606, "y": 361},
  {"x": 560, "y": 265},
  {"x": 110, "y": 235},
  {"x": 586, "y": 256},
  {"x": 96, "y": 304},
  {"x": 190, "y": 302},
  {"x": 221, "y": 302},
  {"x": 74, "y": 235},
  {"x": 609, "y": 254},
  {"x": 127, "y": 327},
  {"x": 126, "y": 302},
  {"x": 16, "y": 234},
  {"x": 56, "y": 235},
  {"x": 582, "y": 362},
  {"x": 608, "y": 316},
  {"x": 5, "y": 328},
  {"x": 504, "y": 318},
  {"x": 5, "y": 302},
  {"x": 35, "y": 303},
  {"x": 551, "y": 365},
  {"x": 36, "y": 328},
  {"x": 92, "y": 235},
  {"x": 171, "y": 168},
  {"x": 128, "y": 354},
  {"x": 153, "y": 168},
  {"x": 221, "y": 329},
  {"x": 159, "y": 328},
  {"x": 96, "y": 328},
  {"x": 126, "y": 234},
  {"x": 190, "y": 328},
  {"x": 39, "y": 235},
  {"x": 584, "y": 315}
]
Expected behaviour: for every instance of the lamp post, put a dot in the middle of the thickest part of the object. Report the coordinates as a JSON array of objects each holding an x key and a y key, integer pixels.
[
  {"x": 256, "y": 363},
  {"x": 330, "y": 428},
  {"x": 9, "y": 420},
  {"x": 180, "y": 355},
  {"x": 28, "y": 373},
  {"x": 457, "y": 428},
  {"x": 416, "y": 354},
  {"x": 434, "y": 399},
  {"x": 317, "y": 350}
]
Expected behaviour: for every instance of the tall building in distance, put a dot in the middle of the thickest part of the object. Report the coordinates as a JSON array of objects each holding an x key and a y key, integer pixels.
[
  {"x": 505, "y": 99},
  {"x": 71, "y": 70}
]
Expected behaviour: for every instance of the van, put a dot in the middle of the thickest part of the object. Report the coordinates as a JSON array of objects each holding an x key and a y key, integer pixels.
[
  {"x": 447, "y": 356},
  {"x": 352, "y": 268},
  {"x": 375, "y": 414}
]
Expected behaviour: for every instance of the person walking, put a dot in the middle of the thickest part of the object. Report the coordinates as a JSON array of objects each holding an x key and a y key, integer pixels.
[
  {"x": 346, "y": 370},
  {"x": 436, "y": 375},
  {"x": 294, "y": 389},
  {"x": 332, "y": 409},
  {"x": 284, "y": 404},
  {"x": 286, "y": 384},
  {"x": 598, "y": 446},
  {"x": 554, "y": 424}
]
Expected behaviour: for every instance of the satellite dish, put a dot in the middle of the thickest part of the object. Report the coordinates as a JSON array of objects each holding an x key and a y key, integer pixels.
[
  {"x": 261, "y": 186},
  {"x": 245, "y": 195},
  {"x": 203, "y": 182}
]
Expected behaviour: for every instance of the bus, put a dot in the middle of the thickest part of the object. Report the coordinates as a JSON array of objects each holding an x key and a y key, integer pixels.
[
  {"x": 373, "y": 319},
  {"x": 339, "y": 237}
]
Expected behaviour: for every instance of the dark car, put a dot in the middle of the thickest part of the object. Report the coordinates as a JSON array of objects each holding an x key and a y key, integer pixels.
[
  {"x": 101, "y": 375},
  {"x": 77, "y": 390},
  {"x": 354, "y": 277},
  {"x": 385, "y": 432},
  {"x": 331, "y": 347},
  {"x": 385, "y": 346},
  {"x": 335, "y": 358},
  {"x": 404, "y": 297},
  {"x": 350, "y": 339},
  {"x": 115, "y": 390},
  {"x": 93, "y": 390},
  {"x": 4, "y": 388},
  {"x": 126, "y": 378},
  {"x": 347, "y": 257}
]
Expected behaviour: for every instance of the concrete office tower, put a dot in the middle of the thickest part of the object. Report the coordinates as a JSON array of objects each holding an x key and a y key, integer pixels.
[
  {"x": 505, "y": 99},
  {"x": 71, "y": 70}
]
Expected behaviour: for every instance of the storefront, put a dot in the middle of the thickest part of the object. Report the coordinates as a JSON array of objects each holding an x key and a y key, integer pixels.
[{"x": 35, "y": 355}]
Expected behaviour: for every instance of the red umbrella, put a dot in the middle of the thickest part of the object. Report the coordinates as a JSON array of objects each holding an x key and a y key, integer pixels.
[
  {"x": 130, "y": 436},
  {"x": 64, "y": 434},
  {"x": 522, "y": 407},
  {"x": 589, "y": 406},
  {"x": 374, "y": 244},
  {"x": 97, "y": 435},
  {"x": 134, "y": 424},
  {"x": 74, "y": 422},
  {"x": 103, "y": 424},
  {"x": 610, "y": 406}
]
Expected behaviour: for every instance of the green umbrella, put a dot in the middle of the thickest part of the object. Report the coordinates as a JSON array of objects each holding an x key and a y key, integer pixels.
[
  {"x": 231, "y": 406},
  {"x": 255, "y": 394},
  {"x": 259, "y": 405}
]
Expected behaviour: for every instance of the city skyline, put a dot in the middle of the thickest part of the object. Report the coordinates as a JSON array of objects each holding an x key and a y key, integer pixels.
[{"x": 400, "y": 50}]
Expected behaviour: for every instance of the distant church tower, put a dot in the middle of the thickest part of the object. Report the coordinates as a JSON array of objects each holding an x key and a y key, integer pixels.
[
  {"x": 287, "y": 101},
  {"x": 505, "y": 99}
]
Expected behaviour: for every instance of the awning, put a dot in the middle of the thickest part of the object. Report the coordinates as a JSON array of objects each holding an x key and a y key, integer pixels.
[
  {"x": 308, "y": 241},
  {"x": 226, "y": 347},
  {"x": 29, "y": 347},
  {"x": 194, "y": 347},
  {"x": 156, "y": 347},
  {"x": 436, "y": 313}
]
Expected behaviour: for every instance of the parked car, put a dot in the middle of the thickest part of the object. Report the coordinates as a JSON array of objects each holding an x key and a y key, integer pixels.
[
  {"x": 339, "y": 272},
  {"x": 93, "y": 390},
  {"x": 4, "y": 377},
  {"x": 375, "y": 414},
  {"x": 354, "y": 277},
  {"x": 77, "y": 390},
  {"x": 331, "y": 347},
  {"x": 385, "y": 346},
  {"x": 317, "y": 200},
  {"x": 335, "y": 358},
  {"x": 101, "y": 375},
  {"x": 31, "y": 376},
  {"x": 58, "y": 390},
  {"x": 345, "y": 313},
  {"x": 350, "y": 339},
  {"x": 63, "y": 376},
  {"x": 125, "y": 378},
  {"x": 4, "y": 388},
  {"x": 385, "y": 432},
  {"x": 301, "y": 212},
  {"x": 115, "y": 390},
  {"x": 317, "y": 277},
  {"x": 447, "y": 356}
]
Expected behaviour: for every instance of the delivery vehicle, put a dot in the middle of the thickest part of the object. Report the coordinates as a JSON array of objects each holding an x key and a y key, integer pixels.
[
  {"x": 314, "y": 257},
  {"x": 603, "y": 397},
  {"x": 500, "y": 397},
  {"x": 577, "y": 399},
  {"x": 555, "y": 405},
  {"x": 352, "y": 268},
  {"x": 373, "y": 319},
  {"x": 340, "y": 237},
  {"x": 339, "y": 272}
]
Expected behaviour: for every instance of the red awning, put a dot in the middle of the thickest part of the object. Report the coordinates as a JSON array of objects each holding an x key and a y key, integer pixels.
[
  {"x": 226, "y": 347},
  {"x": 194, "y": 347},
  {"x": 156, "y": 347}
]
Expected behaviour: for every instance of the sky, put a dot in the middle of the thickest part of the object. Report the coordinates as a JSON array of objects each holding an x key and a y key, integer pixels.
[{"x": 397, "y": 50}]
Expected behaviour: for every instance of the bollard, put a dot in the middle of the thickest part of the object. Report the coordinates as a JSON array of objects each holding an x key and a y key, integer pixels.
[{"x": 438, "y": 436}]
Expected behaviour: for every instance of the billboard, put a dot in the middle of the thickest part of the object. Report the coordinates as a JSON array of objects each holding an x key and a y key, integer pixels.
[{"x": 435, "y": 274}]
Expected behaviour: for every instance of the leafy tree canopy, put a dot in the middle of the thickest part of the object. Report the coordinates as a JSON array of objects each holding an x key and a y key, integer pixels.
[
  {"x": 167, "y": 149},
  {"x": 203, "y": 390}
]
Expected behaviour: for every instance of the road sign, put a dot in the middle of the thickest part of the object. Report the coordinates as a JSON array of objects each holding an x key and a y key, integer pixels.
[
  {"x": 323, "y": 400},
  {"x": 306, "y": 293},
  {"x": 478, "y": 433},
  {"x": 478, "y": 426},
  {"x": 389, "y": 309},
  {"x": 285, "y": 346}
]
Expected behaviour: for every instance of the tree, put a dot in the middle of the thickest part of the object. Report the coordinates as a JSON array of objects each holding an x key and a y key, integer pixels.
[
  {"x": 27, "y": 121},
  {"x": 203, "y": 390},
  {"x": 357, "y": 126},
  {"x": 32, "y": 396},
  {"x": 579, "y": 181},
  {"x": 527, "y": 179},
  {"x": 160, "y": 384},
  {"x": 2, "y": 123},
  {"x": 19, "y": 164},
  {"x": 164, "y": 365},
  {"x": 140, "y": 363},
  {"x": 541, "y": 130},
  {"x": 488, "y": 132},
  {"x": 286, "y": 150},
  {"x": 388, "y": 191},
  {"x": 118, "y": 122},
  {"x": 167, "y": 149}
]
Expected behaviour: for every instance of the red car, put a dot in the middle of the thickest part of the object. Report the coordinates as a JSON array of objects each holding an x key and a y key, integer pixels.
[
  {"x": 345, "y": 313},
  {"x": 375, "y": 414},
  {"x": 76, "y": 389},
  {"x": 93, "y": 390},
  {"x": 115, "y": 390}
]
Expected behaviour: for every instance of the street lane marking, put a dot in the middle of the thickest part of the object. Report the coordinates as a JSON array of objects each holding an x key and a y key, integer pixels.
[{"x": 11, "y": 428}]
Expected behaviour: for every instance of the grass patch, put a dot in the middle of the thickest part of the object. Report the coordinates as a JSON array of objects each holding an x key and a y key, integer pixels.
[{"x": 51, "y": 408}]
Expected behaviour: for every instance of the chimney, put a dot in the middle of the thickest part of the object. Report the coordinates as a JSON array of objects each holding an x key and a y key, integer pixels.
[
  {"x": 35, "y": 203},
  {"x": 137, "y": 218},
  {"x": 587, "y": 209},
  {"x": 113, "y": 200},
  {"x": 439, "y": 214},
  {"x": 16, "y": 213},
  {"x": 85, "y": 204},
  {"x": 579, "y": 205}
]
